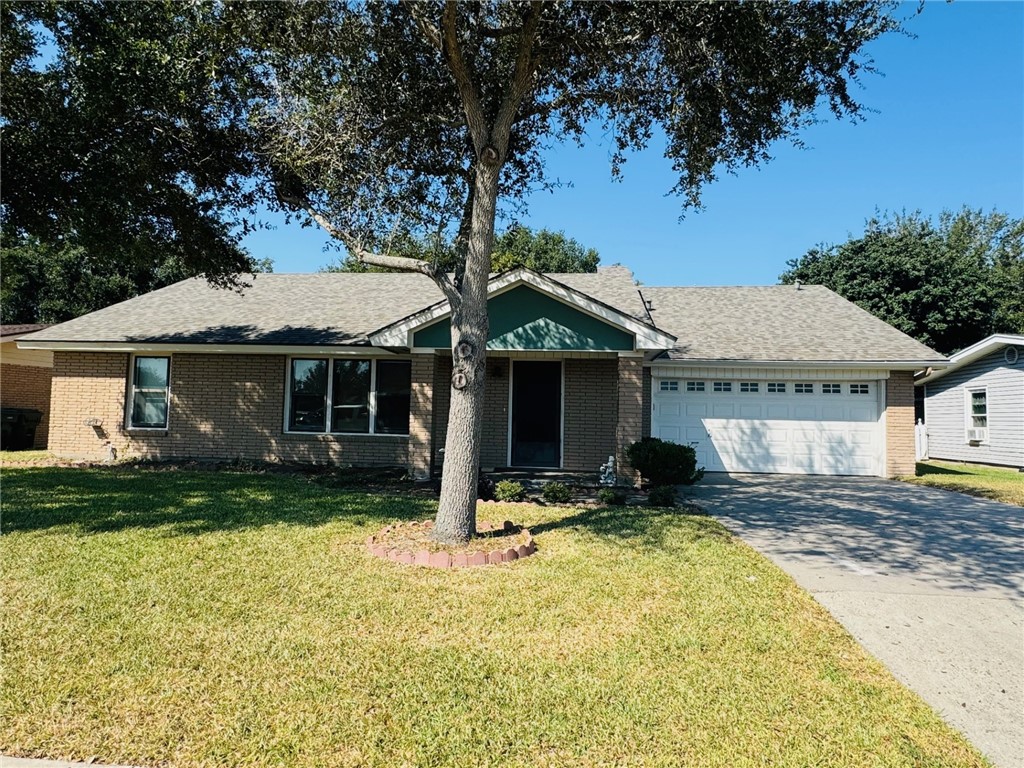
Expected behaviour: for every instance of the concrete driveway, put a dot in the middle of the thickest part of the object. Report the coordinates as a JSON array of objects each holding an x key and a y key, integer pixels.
[{"x": 930, "y": 582}]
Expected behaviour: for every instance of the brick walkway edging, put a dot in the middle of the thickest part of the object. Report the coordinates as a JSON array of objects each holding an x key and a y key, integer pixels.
[{"x": 430, "y": 559}]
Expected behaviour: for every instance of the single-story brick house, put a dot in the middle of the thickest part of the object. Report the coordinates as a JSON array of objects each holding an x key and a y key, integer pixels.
[
  {"x": 974, "y": 408},
  {"x": 25, "y": 376},
  {"x": 355, "y": 369}
]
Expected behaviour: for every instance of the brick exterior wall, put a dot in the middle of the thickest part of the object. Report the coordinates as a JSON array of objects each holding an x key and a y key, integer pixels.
[
  {"x": 591, "y": 402},
  {"x": 630, "y": 412},
  {"x": 899, "y": 424},
  {"x": 648, "y": 405},
  {"x": 232, "y": 407},
  {"x": 221, "y": 407},
  {"x": 28, "y": 386}
]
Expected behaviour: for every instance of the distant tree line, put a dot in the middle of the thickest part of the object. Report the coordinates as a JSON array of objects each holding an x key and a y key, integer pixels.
[{"x": 947, "y": 283}]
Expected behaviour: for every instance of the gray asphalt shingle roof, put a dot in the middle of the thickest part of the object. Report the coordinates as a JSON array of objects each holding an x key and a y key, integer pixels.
[{"x": 776, "y": 323}]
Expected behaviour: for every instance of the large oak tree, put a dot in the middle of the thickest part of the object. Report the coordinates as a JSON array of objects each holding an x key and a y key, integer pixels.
[{"x": 425, "y": 117}]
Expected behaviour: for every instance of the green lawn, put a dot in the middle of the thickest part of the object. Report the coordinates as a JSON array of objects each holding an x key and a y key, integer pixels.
[
  {"x": 996, "y": 483},
  {"x": 204, "y": 619}
]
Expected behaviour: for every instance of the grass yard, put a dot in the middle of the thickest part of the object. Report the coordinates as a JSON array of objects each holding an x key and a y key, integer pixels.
[
  {"x": 19, "y": 458},
  {"x": 194, "y": 618},
  {"x": 996, "y": 483}
]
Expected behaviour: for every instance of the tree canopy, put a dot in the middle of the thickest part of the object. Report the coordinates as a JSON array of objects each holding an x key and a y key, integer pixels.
[
  {"x": 948, "y": 283},
  {"x": 518, "y": 246},
  {"x": 115, "y": 141}
]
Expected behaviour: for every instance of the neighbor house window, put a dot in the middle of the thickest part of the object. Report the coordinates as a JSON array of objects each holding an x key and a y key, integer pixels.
[
  {"x": 776, "y": 387},
  {"x": 804, "y": 389},
  {"x": 723, "y": 386},
  {"x": 349, "y": 396},
  {"x": 695, "y": 386},
  {"x": 748, "y": 386},
  {"x": 858, "y": 389},
  {"x": 831, "y": 389},
  {"x": 977, "y": 415},
  {"x": 151, "y": 383}
]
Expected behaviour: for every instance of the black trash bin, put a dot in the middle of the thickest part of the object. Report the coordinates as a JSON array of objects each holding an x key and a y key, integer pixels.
[{"x": 18, "y": 428}]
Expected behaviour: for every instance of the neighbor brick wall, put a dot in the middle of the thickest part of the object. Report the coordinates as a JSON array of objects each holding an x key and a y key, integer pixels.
[
  {"x": 222, "y": 407},
  {"x": 630, "y": 412},
  {"x": 591, "y": 402},
  {"x": 899, "y": 424},
  {"x": 28, "y": 386}
]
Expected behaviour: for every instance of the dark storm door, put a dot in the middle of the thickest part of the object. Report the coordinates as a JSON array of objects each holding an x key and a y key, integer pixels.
[{"x": 536, "y": 413}]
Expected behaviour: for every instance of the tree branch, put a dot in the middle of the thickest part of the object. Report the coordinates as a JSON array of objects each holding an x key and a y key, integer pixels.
[
  {"x": 427, "y": 27},
  {"x": 463, "y": 76},
  {"x": 522, "y": 79},
  {"x": 363, "y": 256}
]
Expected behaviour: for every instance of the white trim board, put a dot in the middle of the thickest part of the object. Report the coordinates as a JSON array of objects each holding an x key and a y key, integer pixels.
[
  {"x": 764, "y": 374},
  {"x": 210, "y": 349}
]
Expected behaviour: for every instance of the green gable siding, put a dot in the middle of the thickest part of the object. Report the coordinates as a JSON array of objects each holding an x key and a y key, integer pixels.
[{"x": 523, "y": 318}]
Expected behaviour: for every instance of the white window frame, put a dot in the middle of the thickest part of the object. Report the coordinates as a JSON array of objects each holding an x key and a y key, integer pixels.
[
  {"x": 722, "y": 387},
  {"x": 695, "y": 386},
  {"x": 668, "y": 385},
  {"x": 860, "y": 388},
  {"x": 329, "y": 412},
  {"x": 803, "y": 388},
  {"x": 776, "y": 387},
  {"x": 831, "y": 388},
  {"x": 969, "y": 416},
  {"x": 750, "y": 387},
  {"x": 130, "y": 396}
]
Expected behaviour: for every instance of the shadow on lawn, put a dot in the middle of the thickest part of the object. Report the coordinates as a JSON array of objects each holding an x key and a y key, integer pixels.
[
  {"x": 933, "y": 469},
  {"x": 644, "y": 527},
  {"x": 188, "y": 502}
]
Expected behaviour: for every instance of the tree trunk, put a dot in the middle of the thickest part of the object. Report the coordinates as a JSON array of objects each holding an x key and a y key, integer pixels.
[{"x": 456, "y": 512}]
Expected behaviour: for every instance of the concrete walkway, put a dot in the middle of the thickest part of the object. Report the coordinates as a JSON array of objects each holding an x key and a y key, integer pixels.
[{"x": 930, "y": 582}]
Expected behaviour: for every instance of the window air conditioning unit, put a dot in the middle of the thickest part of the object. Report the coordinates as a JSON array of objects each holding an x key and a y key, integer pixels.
[{"x": 977, "y": 435}]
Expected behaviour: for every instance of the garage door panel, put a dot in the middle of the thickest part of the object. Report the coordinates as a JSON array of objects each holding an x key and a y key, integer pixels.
[{"x": 787, "y": 432}]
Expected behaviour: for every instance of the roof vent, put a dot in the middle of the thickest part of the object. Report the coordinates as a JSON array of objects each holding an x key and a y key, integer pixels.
[
  {"x": 797, "y": 283},
  {"x": 649, "y": 304}
]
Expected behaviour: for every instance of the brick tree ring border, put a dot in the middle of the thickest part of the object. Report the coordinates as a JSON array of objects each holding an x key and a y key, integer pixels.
[{"x": 425, "y": 557}]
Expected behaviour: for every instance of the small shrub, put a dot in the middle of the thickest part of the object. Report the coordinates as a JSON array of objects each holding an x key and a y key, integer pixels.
[
  {"x": 555, "y": 492},
  {"x": 662, "y": 496},
  {"x": 485, "y": 489},
  {"x": 614, "y": 497},
  {"x": 663, "y": 463},
  {"x": 509, "y": 490}
]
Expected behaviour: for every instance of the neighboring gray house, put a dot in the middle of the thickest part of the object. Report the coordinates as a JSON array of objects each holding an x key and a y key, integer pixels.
[{"x": 974, "y": 409}]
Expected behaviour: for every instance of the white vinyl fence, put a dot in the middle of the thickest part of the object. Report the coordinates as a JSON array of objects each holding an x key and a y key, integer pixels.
[{"x": 921, "y": 440}]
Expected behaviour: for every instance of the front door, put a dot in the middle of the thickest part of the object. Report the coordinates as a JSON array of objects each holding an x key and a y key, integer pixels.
[{"x": 536, "y": 413}]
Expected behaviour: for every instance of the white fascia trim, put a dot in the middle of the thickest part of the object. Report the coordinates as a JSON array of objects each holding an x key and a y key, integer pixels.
[
  {"x": 211, "y": 349},
  {"x": 974, "y": 352},
  {"x": 400, "y": 334},
  {"x": 890, "y": 365}
]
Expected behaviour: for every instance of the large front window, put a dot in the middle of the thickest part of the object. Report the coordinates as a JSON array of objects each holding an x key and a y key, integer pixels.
[
  {"x": 349, "y": 396},
  {"x": 151, "y": 383}
]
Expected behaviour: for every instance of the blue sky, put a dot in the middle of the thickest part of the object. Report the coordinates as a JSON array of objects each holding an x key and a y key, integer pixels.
[{"x": 948, "y": 131}]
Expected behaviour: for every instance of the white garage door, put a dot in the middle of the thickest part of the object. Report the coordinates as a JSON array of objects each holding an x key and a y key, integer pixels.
[{"x": 789, "y": 427}]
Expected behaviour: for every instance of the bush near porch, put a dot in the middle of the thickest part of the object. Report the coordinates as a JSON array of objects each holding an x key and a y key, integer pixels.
[{"x": 195, "y": 618}]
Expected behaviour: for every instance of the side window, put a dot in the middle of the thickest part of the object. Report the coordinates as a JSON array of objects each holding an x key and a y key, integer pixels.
[
  {"x": 669, "y": 386},
  {"x": 394, "y": 397},
  {"x": 695, "y": 386},
  {"x": 308, "y": 411},
  {"x": 723, "y": 386},
  {"x": 858, "y": 389},
  {"x": 803, "y": 389},
  {"x": 151, "y": 384},
  {"x": 831, "y": 389},
  {"x": 749, "y": 386},
  {"x": 777, "y": 387},
  {"x": 977, "y": 415}
]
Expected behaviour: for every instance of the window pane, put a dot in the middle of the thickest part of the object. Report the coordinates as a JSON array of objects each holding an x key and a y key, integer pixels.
[
  {"x": 350, "y": 399},
  {"x": 394, "y": 387},
  {"x": 309, "y": 396},
  {"x": 149, "y": 408},
  {"x": 151, "y": 372}
]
